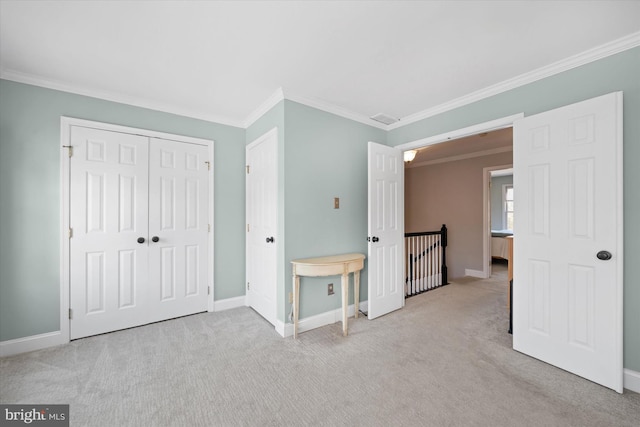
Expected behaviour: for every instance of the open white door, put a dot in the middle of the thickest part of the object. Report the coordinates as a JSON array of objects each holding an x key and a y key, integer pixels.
[
  {"x": 567, "y": 286},
  {"x": 262, "y": 221},
  {"x": 386, "y": 230}
]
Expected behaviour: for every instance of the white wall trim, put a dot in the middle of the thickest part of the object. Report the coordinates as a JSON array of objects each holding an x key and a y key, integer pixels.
[
  {"x": 616, "y": 46},
  {"x": 31, "y": 343},
  {"x": 591, "y": 55},
  {"x": 262, "y": 109},
  {"x": 229, "y": 303},
  {"x": 20, "y": 77},
  {"x": 501, "y": 123},
  {"x": 486, "y": 216},
  {"x": 632, "y": 380},
  {"x": 461, "y": 157},
  {"x": 65, "y": 262},
  {"x": 334, "y": 109},
  {"x": 475, "y": 273},
  {"x": 319, "y": 320}
]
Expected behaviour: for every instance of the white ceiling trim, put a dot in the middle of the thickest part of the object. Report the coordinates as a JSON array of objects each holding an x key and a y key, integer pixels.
[
  {"x": 30, "y": 79},
  {"x": 460, "y": 157},
  {"x": 599, "y": 52},
  {"x": 334, "y": 109},
  {"x": 501, "y": 123},
  {"x": 271, "y": 102},
  {"x": 318, "y": 104},
  {"x": 602, "y": 51}
]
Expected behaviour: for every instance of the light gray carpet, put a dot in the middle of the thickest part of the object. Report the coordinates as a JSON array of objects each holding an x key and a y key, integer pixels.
[{"x": 443, "y": 360}]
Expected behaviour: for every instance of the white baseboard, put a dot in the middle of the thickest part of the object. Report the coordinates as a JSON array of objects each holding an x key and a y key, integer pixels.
[
  {"x": 229, "y": 303},
  {"x": 632, "y": 380},
  {"x": 317, "y": 321},
  {"x": 475, "y": 273},
  {"x": 31, "y": 343}
]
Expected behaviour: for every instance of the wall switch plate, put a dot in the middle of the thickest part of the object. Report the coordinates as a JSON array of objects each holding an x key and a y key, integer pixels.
[
  {"x": 336, "y": 203},
  {"x": 330, "y": 289}
]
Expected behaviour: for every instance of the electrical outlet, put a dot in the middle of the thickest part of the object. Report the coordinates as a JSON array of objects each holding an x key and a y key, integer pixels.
[
  {"x": 330, "y": 289},
  {"x": 336, "y": 203},
  {"x": 290, "y": 297}
]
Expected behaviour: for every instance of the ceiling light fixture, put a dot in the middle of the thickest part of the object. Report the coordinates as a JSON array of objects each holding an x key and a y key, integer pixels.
[{"x": 410, "y": 155}]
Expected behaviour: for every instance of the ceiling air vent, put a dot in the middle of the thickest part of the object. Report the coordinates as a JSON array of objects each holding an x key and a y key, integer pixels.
[{"x": 383, "y": 118}]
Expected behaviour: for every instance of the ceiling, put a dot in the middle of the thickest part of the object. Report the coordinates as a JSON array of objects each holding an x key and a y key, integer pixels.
[
  {"x": 222, "y": 60},
  {"x": 497, "y": 141}
]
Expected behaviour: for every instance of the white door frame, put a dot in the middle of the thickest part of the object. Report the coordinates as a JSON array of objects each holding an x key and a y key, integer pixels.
[
  {"x": 501, "y": 123},
  {"x": 486, "y": 216},
  {"x": 65, "y": 196}
]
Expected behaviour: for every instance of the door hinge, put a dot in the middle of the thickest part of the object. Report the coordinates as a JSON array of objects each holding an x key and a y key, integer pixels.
[
  {"x": 208, "y": 165},
  {"x": 247, "y": 169},
  {"x": 69, "y": 148},
  {"x": 248, "y": 286},
  {"x": 70, "y": 232},
  {"x": 208, "y": 290},
  {"x": 209, "y": 228},
  {"x": 247, "y": 228},
  {"x": 70, "y": 314}
]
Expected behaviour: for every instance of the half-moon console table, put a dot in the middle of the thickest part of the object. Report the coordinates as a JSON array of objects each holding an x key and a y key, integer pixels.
[{"x": 329, "y": 266}]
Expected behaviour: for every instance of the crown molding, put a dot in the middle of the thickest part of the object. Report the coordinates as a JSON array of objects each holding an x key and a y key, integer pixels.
[
  {"x": 34, "y": 80},
  {"x": 333, "y": 109},
  {"x": 461, "y": 157},
  {"x": 268, "y": 104},
  {"x": 599, "y": 52},
  {"x": 591, "y": 55},
  {"x": 281, "y": 94}
]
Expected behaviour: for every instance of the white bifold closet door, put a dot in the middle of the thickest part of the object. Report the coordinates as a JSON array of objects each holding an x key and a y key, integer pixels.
[{"x": 138, "y": 214}]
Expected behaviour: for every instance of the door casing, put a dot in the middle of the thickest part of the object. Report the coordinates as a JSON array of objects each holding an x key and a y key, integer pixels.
[
  {"x": 501, "y": 123},
  {"x": 65, "y": 195}
]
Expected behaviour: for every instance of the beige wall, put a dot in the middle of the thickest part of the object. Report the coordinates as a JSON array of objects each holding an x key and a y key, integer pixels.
[{"x": 451, "y": 193}]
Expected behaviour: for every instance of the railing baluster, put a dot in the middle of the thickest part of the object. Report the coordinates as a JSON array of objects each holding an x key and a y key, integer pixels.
[{"x": 425, "y": 262}]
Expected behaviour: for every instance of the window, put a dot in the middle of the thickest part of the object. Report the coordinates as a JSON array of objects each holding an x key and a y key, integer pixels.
[{"x": 507, "y": 203}]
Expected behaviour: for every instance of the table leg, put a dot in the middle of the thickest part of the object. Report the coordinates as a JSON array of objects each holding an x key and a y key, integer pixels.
[
  {"x": 345, "y": 302},
  {"x": 296, "y": 304},
  {"x": 356, "y": 291}
]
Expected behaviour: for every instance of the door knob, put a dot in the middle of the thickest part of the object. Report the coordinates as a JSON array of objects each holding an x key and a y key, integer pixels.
[
  {"x": 374, "y": 239},
  {"x": 604, "y": 255},
  {"x": 155, "y": 239},
  {"x": 140, "y": 239},
  {"x": 270, "y": 239}
]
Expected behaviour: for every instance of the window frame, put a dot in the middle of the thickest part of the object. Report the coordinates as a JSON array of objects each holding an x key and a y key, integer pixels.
[{"x": 505, "y": 211}]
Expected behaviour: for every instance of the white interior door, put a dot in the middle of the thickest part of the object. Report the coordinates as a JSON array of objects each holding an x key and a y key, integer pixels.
[
  {"x": 567, "y": 302},
  {"x": 386, "y": 230},
  {"x": 261, "y": 200},
  {"x": 178, "y": 228},
  {"x": 125, "y": 191},
  {"x": 108, "y": 214}
]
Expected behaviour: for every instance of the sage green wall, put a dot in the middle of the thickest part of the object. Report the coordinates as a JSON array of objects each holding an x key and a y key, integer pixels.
[
  {"x": 30, "y": 198},
  {"x": 325, "y": 157},
  {"x": 618, "y": 72},
  {"x": 320, "y": 156}
]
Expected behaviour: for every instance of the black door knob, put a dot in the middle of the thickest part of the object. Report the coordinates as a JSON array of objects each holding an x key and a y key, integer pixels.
[
  {"x": 604, "y": 255},
  {"x": 140, "y": 239},
  {"x": 270, "y": 239},
  {"x": 375, "y": 239},
  {"x": 155, "y": 239}
]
